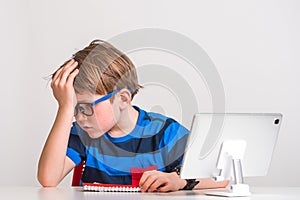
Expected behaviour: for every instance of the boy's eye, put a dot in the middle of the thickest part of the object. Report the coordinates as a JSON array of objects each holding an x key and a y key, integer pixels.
[
  {"x": 84, "y": 108},
  {"x": 81, "y": 109}
]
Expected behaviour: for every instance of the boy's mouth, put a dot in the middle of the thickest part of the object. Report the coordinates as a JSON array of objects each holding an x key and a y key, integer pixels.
[{"x": 87, "y": 128}]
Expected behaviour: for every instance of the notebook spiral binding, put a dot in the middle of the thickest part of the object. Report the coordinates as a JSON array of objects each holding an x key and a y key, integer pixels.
[{"x": 96, "y": 188}]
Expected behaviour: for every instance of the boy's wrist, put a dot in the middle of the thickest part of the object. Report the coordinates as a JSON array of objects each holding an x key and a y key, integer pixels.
[
  {"x": 187, "y": 184},
  {"x": 66, "y": 112},
  {"x": 183, "y": 184},
  {"x": 66, "y": 108}
]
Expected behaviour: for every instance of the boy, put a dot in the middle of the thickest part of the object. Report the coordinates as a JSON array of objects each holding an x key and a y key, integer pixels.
[{"x": 110, "y": 135}]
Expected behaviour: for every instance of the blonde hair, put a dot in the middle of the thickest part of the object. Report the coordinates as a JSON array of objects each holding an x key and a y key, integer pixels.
[{"x": 103, "y": 68}]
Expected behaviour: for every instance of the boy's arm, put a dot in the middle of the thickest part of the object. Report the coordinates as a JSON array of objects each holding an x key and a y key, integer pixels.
[
  {"x": 54, "y": 165},
  {"x": 208, "y": 183},
  {"x": 163, "y": 182}
]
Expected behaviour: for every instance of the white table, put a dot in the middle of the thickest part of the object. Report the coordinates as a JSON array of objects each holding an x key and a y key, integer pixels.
[{"x": 76, "y": 193}]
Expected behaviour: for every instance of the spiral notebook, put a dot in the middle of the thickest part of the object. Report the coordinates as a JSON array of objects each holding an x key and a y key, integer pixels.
[{"x": 136, "y": 174}]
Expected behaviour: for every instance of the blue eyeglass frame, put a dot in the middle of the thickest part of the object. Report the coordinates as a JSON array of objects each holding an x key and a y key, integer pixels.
[
  {"x": 109, "y": 95},
  {"x": 105, "y": 97}
]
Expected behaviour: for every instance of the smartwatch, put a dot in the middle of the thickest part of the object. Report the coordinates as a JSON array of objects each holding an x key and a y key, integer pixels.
[{"x": 190, "y": 183}]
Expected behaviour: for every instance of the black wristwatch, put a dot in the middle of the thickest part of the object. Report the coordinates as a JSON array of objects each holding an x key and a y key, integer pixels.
[{"x": 190, "y": 183}]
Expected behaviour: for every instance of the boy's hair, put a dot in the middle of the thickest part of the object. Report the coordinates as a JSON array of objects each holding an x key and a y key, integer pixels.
[{"x": 103, "y": 68}]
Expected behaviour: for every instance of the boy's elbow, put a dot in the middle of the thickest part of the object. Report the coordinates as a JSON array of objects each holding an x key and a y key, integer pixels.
[
  {"x": 46, "y": 181},
  {"x": 47, "y": 184}
]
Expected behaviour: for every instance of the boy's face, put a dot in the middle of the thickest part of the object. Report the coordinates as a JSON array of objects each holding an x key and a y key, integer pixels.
[{"x": 104, "y": 118}]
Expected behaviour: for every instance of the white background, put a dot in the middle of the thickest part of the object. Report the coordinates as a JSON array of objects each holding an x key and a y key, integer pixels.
[{"x": 254, "y": 45}]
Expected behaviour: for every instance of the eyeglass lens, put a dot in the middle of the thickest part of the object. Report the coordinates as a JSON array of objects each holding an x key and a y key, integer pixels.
[{"x": 84, "y": 108}]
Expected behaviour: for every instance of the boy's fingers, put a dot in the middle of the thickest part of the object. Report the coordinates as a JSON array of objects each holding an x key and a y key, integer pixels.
[
  {"x": 144, "y": 177},
  {"x": 156, "y": 184},
  {"x": 72, "y": 76},
  {"x": 70, "y": 66},
  {"x": 61, "y": 76},
  {"x": 164, "y": 188},
  {"x": 69, "y": 63},
  {"x": 57, "y": 74},
  {"x": 65, "y": 73},
  {"x": 60, "y": 71},
  {"x": 147, "y": 180}
]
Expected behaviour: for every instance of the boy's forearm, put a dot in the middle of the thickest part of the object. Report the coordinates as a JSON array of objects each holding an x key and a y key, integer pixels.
[
  {"x": 208, "y": 183},
  {"x": 52, "y": 161}
]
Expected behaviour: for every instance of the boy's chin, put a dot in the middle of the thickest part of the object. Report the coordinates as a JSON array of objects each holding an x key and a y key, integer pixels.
[{"x": 94, "y": 135}]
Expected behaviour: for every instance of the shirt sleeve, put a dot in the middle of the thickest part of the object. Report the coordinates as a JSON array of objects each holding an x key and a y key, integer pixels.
[
  {"x": 175, "y": 138},
  {"x": 76, "y": 148}
]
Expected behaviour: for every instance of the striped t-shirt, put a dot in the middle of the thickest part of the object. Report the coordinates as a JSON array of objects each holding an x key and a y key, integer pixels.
[{"x": 155, "y": 141}]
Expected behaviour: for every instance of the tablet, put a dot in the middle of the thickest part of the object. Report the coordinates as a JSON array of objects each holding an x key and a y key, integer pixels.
[{"x": 208, "y": 132}]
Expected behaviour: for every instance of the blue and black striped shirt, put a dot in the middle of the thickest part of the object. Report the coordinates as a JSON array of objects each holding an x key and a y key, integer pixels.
[{"x": 155, "y": 141}]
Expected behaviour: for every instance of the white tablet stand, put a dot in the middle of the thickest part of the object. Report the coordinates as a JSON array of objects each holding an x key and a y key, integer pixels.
[{"x": 230, "y": 166}]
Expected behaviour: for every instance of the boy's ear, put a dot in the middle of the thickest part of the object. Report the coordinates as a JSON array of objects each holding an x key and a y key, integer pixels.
[{"x": 125, "y": 98}]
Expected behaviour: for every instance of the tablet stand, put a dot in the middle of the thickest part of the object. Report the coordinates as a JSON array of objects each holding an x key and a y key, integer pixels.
[{"x": 230, "y": 166}]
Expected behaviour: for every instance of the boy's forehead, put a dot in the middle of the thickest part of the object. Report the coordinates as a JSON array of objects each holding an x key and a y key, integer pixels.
[{"x": 85, "y": 97}]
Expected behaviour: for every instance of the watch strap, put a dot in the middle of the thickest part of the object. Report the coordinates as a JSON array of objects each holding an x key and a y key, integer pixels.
[{"x": 191, "y": 183}]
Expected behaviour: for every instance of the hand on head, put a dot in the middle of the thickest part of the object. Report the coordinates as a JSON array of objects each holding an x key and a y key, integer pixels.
[{"x": 62, "y": 83}]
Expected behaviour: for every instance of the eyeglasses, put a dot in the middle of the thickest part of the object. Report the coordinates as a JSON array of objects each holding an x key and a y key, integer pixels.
[{"x": 87, "y": 108}]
